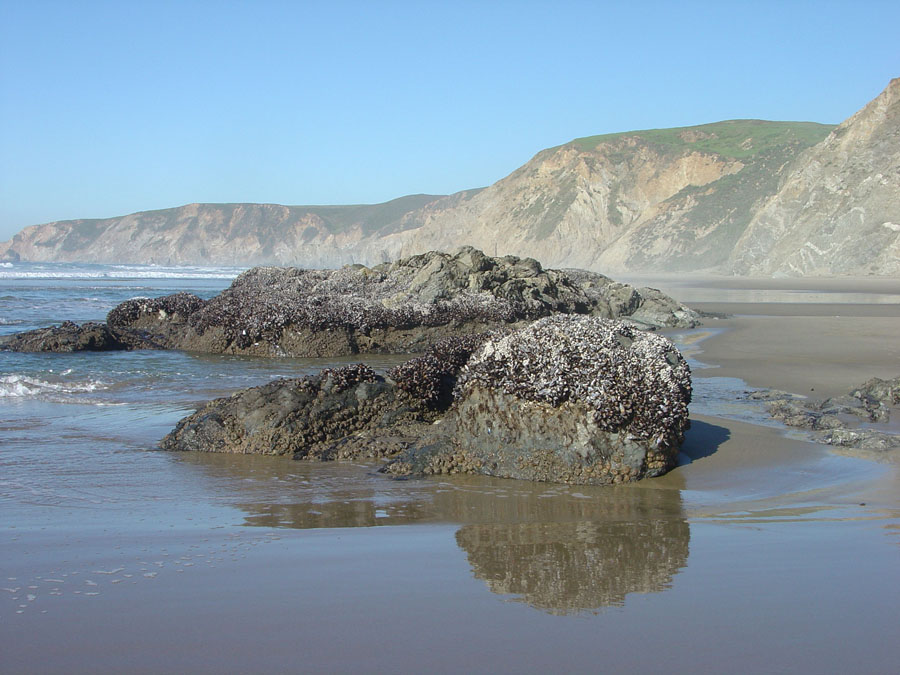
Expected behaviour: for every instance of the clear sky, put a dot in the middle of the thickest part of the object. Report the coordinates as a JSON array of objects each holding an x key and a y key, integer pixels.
[{"x": 107, "y": 108}]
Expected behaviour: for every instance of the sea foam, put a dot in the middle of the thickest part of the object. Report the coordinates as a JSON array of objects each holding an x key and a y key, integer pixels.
[
  {"x": 22, "y": 386},
  {"x": 74, "y": 271}
]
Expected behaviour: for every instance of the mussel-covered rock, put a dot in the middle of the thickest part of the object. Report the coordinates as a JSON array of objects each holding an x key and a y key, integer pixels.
[
  {"x": 167, "y": 317},
  {"x": 568, "y": 399},
  {"x": 397, "y": 307}
]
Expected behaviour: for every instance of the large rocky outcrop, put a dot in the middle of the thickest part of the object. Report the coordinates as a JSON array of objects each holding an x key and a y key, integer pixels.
[
  {"x": 398, "y": 307},
  {"x": 568, "y": 399}
]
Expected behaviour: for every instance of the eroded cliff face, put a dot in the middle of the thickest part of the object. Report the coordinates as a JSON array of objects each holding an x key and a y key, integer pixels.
[
  {"x": 218, "y": 234},
  {"x": 738, "y": 197},
  {"x": 838, "y": 210},
  {"x": 569, "y": 205}
]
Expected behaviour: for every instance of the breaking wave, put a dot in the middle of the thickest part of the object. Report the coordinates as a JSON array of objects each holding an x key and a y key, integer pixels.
[
  {"x": 23, "y": 386},
  {"x": 72, "y": 271}
]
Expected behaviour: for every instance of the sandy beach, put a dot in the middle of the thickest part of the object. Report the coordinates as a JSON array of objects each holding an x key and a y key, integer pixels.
[
  {"x": 815, "y": 353},
  {"x": 760, "y": 552}
]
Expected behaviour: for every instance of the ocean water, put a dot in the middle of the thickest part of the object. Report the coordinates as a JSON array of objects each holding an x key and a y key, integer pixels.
[{"x": 79, "y": 431}]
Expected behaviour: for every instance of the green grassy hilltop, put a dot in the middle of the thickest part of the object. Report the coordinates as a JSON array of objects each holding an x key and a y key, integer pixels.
[{"x": 738, "y": 139}]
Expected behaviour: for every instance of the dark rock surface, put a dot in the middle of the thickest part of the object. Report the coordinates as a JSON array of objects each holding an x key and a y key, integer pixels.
[
  {"x": 835, "y": 420},
  {"x": 566, "y": 399},
  {"x": 398, "y": 307},
  {"x": 167, "y": 317},
  {"x": 306, "y": 417},
  {"x": 340, "y": 413},
  {"x": 72, "y": 337}
]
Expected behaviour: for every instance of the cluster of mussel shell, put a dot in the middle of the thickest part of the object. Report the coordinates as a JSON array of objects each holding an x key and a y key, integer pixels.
[
  {"x": 627, "y": 378},
  {"x": 185, "y": 305},
  {"x": 346, "y": 377},
  {"x": 263, "y": 301},
  {"x": 431, "y": 377}
]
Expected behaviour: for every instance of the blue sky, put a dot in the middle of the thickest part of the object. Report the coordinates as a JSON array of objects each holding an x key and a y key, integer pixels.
[{"x": 107, "y": 108}]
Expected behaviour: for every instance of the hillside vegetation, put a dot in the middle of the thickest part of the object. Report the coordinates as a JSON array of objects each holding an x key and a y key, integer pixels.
[{"x": 737, "y": 139}]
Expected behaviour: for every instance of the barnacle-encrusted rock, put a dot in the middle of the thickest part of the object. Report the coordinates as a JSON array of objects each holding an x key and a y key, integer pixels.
[
  {"x": 166, "y": 318},
  {"x": 431, "y": 377},
  {"x": 398, "y": 307},
  {"x": 568, "y": 399}
]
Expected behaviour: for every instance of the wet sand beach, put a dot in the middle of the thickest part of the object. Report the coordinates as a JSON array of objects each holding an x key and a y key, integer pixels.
[
  {"x": 819, "y": 350},
  {"x": 760, "y": 552}
]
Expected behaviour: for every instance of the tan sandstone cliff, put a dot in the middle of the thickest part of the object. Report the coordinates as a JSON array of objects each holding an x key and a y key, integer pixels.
[
  {"x": 838, "y": 210},
  {"x": 735, "y": 197}
]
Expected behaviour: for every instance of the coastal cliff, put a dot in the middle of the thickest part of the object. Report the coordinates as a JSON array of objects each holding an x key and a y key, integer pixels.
[
  {"x": 837, "y": 209},
  {"x": 745, "y": 197}
]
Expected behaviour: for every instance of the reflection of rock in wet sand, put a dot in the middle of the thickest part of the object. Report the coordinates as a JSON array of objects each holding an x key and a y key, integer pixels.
[
  {"x": 358, "y": 513},
  {"x": 564, "y": 555},
  {"x": 560, "y": 548}
]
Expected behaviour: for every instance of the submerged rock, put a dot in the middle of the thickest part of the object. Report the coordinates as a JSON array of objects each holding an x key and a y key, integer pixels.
[
  {"x": 861, "y": 439},
  {"x": 567, "y": 399},
  {"x": 834, "y": 419},
  {"x": 396, "y": 307}
]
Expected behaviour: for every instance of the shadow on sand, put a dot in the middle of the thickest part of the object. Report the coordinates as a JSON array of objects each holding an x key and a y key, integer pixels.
[{"x": 701, "y": 440}]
